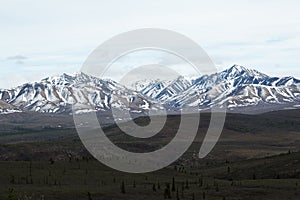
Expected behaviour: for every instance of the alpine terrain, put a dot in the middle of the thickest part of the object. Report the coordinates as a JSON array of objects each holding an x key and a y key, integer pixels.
[{"x": 237, "y": 88}]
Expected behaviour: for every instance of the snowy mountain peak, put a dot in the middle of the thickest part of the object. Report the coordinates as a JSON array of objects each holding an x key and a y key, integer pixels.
[
  {"x": 235, "y": 88},
  {"x": 237, "y": 71},
  {"x": 238, "y": 68},
  {"x": 66, "y": 79},
  {"x": 58, "y": 94},
  {"x": 163, "y": 90}
]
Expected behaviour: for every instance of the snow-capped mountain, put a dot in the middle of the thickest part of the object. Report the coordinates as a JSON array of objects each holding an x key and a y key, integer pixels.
[
  {"x": 164, "y": 90},
  {"x": 237, "y": 88},
  {"x": 58, "y": 94}
]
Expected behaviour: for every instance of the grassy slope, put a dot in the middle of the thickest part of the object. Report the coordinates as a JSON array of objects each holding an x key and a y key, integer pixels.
[{"x": 250, "y": 161}]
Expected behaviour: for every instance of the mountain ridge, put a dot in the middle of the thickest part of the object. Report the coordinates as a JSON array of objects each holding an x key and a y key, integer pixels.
[{"x": 237, "y": 88}]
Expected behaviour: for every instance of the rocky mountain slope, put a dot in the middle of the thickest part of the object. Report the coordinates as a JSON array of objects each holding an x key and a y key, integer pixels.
[
  {"x": 58, "y": 95},
  {"x": 237, "y": 88}
]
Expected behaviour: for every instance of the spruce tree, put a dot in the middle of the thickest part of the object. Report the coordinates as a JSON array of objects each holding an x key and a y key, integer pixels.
[
  {"x": 167, "y": 192},
  {"x": 173, "y": 185},
  {"x": 89, "y": 196},
  {"x": 123, "y": 188},
  {"x": 187, "y": 184},
  {"x": 30, "y": 168},
  {"x": 177, "y": 194},
  {"x": 134, "y": 184},
  {"x": 154, "y": 187},
  {"x": 200, "y": 182},
  {"x": 11, "y": 194}
]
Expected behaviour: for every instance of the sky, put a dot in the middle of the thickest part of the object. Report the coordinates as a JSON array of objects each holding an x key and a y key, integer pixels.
[{"x": 46, "y": 38}]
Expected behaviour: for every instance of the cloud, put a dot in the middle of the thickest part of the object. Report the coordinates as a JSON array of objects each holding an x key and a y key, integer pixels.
[{"x": 19, "y": 59}]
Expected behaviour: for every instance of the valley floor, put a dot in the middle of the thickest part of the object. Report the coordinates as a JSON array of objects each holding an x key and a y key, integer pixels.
[{"x": 257, "y": 157}]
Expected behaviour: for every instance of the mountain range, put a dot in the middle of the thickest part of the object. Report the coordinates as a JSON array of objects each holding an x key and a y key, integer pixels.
[{"x": 237, "y": 88}]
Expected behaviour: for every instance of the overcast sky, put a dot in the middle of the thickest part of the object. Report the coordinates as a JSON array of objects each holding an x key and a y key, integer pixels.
[{"x": 43, "y": 38}]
